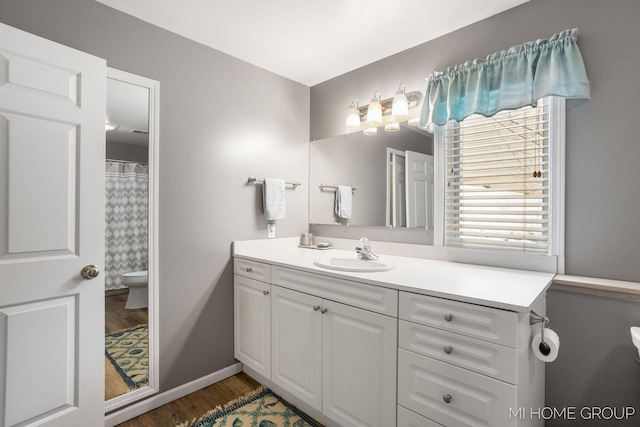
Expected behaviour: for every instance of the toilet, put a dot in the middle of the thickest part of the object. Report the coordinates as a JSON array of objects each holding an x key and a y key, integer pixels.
[{"x": 137, "y": 282}]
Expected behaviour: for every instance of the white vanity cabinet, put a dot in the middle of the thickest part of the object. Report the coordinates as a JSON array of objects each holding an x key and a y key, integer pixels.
[
  {"x": 362, "y": 351},
  {"x": 252, "y": 315},
  {"x": 329, "y": 351},
  {"x": 464, "y": 364},
  {"x": 332, "y": 343},
  {"x": 339, "y": 359}
]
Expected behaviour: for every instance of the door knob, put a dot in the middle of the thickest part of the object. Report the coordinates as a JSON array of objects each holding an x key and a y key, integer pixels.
[{"x": 90, "y": 272}]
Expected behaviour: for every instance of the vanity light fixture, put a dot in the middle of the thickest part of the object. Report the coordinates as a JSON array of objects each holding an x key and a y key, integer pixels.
[
  {"x": 110, "y": 126},
  {"x": 374, "y": 112},
  {"x": 389, "y": 112},
  {"x": 353, "y": 117}
]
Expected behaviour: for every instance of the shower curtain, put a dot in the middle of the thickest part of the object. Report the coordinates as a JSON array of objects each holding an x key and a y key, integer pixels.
[{"x": 126, "y": 211}]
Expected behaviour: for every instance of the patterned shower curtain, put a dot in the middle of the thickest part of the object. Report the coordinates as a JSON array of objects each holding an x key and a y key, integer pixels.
[{"x": 126, "y": 210}]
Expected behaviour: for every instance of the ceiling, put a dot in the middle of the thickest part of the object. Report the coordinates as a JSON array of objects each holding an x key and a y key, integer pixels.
[
  {"x": 127, "y": 108},
  {"x": 311, "y": 41}
]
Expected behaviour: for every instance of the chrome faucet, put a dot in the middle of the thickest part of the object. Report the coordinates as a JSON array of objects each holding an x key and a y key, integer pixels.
[{"x": 364, "y": 250}]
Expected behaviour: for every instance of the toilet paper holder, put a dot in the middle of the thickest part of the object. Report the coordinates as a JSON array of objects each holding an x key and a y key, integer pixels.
[{"x": 535, "y": 318}]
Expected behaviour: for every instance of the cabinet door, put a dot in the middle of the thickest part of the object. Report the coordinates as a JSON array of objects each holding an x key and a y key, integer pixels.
[
  {"x": 297, "y": 344},
  {"x": 252, "y": 324},
  {"x": 359, "y": 369}
]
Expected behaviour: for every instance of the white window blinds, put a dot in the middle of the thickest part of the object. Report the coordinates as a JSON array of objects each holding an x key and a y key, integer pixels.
[{"x": 497, "y": 172}]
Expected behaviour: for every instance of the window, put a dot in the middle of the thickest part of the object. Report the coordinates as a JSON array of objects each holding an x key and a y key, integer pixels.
[{"x": 502, "y": 180}]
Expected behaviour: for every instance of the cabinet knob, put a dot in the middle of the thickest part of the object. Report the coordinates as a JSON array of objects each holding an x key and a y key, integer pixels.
[
  {"x": 324, "y": 310},
  {"x": 448, "y": 349},
  {"x": 448, "y": 317},
  {"x": 316, "y": 307},
  {"x": 446, "y": 398},
  {"x": 265, "y": 292},
  {"x": 249, "y": 270}
]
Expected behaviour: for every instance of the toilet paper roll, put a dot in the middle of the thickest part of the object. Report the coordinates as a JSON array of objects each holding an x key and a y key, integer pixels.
[{"x": 552, "y": 339}]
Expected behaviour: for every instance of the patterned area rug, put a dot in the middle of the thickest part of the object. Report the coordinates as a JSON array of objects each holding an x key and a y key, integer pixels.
[
  {"x": 262, "y": 408},
  {"x": 128, "y": 351}
]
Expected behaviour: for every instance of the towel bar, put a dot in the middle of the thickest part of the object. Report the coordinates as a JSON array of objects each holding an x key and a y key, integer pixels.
[
  {"x": 323, "y": 187},
  {"x": 252, "y": 180}
]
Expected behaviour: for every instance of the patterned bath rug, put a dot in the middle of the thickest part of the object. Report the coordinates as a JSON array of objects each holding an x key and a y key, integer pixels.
[
  {"x": 128, "y": 351},
  {"x": 261, "y": 408}
]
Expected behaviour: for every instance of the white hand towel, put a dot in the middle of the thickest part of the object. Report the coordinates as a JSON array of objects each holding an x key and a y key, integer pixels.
[
  {"x": 343, "y": 204},
  {"x": 273, "y": 198}
]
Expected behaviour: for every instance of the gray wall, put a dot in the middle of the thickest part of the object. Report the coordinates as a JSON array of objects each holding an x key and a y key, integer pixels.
[
  {"x": 596, "y": 365},
  {"x": 221, "y": 120},
  {"x": 121, "y": 151},
  {"x": 603, "y": 200}
]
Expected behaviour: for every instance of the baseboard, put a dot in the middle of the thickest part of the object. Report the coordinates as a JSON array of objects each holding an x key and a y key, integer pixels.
[{"x": 153, "y": 402}]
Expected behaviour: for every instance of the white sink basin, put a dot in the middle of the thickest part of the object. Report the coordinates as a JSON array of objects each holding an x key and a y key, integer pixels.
[{"x": 353, "y": 264}]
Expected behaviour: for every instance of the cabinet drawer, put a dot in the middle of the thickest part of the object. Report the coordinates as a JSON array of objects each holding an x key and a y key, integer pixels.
[
  {"x": 485, "y": 323},
  {"x": 453, "y": 396},
  {"x": 407, "y": 418},
  {"x": 253, "y": 269},
  {"x": 368, "y": 297},
  {"x": 486, "y": 358}
]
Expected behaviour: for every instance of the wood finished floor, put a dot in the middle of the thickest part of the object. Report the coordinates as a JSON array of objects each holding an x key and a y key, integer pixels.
[
  {"x": 117, "y": 318},
  {"x": 196, "y": 404}
]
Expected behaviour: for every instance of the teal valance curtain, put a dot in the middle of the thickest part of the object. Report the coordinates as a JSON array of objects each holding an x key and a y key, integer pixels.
[{"x": 507, "y": 80}]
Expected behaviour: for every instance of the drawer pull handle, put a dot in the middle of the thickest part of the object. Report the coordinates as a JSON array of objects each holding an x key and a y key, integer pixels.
[
  {"x": 265, "y": 292},
  {"x": 324, "y": 310},
  {"x": 249, "y": 270},
  {"x": 316, "y": 307},
  {"x": 448, "y": 317},
  {"x": 446, "y": 398},
  {"x": 448, "y": 349}
]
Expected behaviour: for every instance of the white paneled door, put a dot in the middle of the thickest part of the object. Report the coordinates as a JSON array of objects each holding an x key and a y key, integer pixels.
[
  {"x": 419, "y": 183},
  {"x": 52, "y": 113}
]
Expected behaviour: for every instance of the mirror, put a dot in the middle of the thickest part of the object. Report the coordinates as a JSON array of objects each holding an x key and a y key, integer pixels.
[
  {"x": 130, "y": 238},
  {"x": 375, "y": 166}
]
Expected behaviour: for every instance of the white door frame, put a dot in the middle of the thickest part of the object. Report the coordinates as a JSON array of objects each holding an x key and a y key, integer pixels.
[{"x": 154, "y": 126}]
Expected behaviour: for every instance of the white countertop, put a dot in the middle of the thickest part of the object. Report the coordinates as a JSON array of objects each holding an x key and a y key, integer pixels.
[{"x": 509, "y": 289}]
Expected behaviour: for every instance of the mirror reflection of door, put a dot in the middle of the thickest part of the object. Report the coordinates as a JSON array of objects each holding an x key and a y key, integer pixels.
[
  {"x": 410, "y": 178},
  {"x": 419, "y": 188},
  {"x": 126, "y": 238},
  {"x": 396, "y": 199}
]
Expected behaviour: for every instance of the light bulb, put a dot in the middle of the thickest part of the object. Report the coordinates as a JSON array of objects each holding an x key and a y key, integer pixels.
[
  {"x": 353, "y": 117},
  {"x": 392, "y": 127},
  {"x": 400, "y": 106},
  {"x": 374, "y": 112},
  {"x": 370, "y": 131}
]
